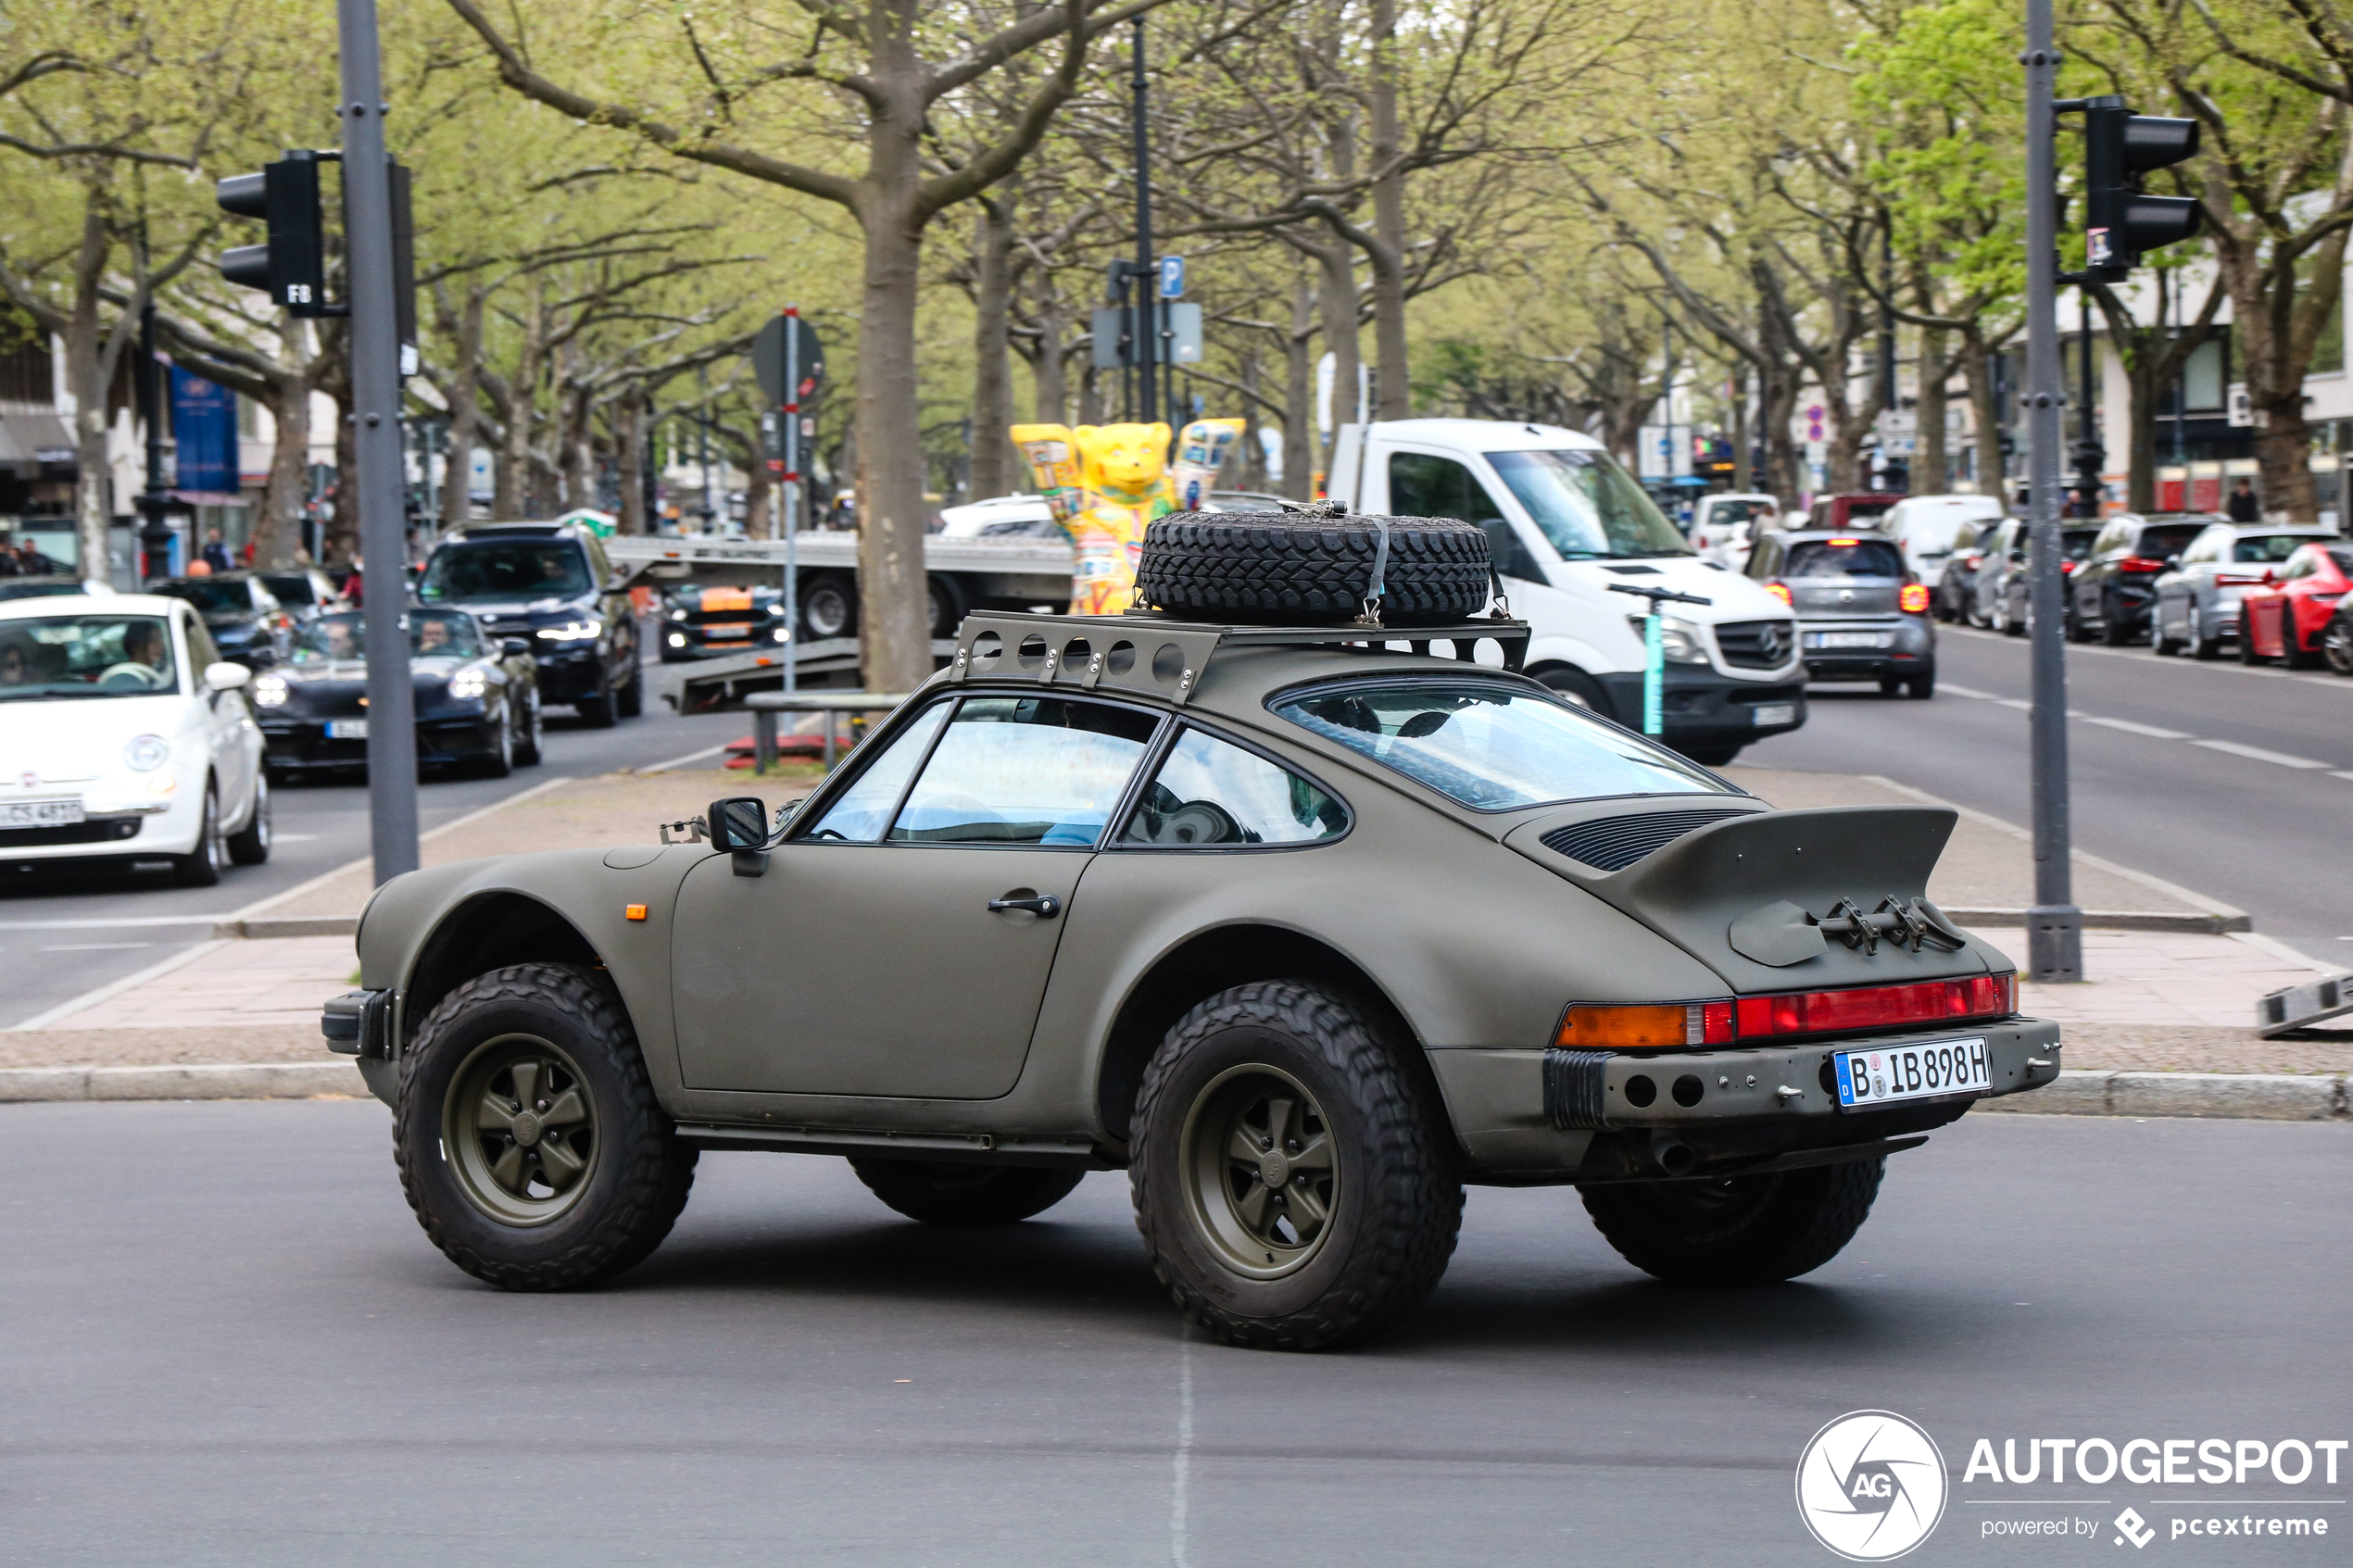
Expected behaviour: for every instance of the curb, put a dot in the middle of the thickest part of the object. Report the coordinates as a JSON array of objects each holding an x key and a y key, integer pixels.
[
  {"x": 259, "y": 1080},
  {"x": 2093, "y": 920},
  {"x": 289, "y": 925},
  {"x": 2268, "y": 1096}
]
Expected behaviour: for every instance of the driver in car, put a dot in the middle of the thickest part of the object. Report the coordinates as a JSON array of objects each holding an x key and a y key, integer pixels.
[
  {"x": 15, "y": 670},
  {"x": 432, "y": 636}
]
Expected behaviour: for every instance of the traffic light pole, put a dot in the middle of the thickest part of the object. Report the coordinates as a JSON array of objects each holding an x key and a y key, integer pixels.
[
  {"x": 375, "y": 414},
  {"x": 1144, "y": 324},
  {"x": 2054, "y": 926},
  {"x": 789, "y": 497}
]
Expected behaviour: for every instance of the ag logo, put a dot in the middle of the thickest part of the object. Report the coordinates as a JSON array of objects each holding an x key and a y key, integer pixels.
[{"x": 1870, "y": 1485}]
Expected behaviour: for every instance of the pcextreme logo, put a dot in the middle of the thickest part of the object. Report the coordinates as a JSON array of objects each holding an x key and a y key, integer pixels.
[{"x": 1870, "y": 1485}]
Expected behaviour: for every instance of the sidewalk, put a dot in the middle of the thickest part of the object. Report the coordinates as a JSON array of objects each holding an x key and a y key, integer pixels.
[{"x": 2162, "y": 1001}]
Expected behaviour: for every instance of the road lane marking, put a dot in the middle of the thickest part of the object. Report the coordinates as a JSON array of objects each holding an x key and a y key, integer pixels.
[
  {"x": 95, "y": 946},
  {"x": 2341, "y": 775},
  {"x": 2129, "y": 728},
  {"x": 682, "y": 762},
  {"x": 2257, "y": 754},
  {"x": 129, "y": 922}
]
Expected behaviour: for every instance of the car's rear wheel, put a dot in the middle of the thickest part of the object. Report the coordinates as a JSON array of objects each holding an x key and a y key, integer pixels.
[
  {"x": 201, "y": 866},
  {"x": 529, "y": 1140},
  {"x": 630, "y": 700},
  {"x": 1294, "y": 1185},
  {"x": 499, "y": 760},
  {"x": 249, "y": 845},
  {"x": 2246, "y": 637},
  {"x": 1921, "y": 688},
  {"x": 2114, "y": 630},
  {"x": 596, "y": 710},
  {"x": 2293, "y": 653},
  {"x": 2203, "y": 646},
  {"x": 1737, "y": 1230},
  {"x": 828, "y": 609},
  {"x": 534, "y": 728},
  {"x": 2337, "y": 645},
  {"x": 948, "y": 1193}
]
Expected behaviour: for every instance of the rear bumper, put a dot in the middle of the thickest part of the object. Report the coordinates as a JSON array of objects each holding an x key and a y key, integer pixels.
[
  {"x": 1911, "y": 649},
  {"x": 1700, "y": 707},
  {"x": 1571, "y": 1115}
]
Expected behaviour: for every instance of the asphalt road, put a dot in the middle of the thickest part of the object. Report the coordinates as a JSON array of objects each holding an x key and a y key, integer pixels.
[
  {"x": 65, "y": 932},
  {"x": 2235, "y": 781},
  {"x": 228, "y": 1343}
]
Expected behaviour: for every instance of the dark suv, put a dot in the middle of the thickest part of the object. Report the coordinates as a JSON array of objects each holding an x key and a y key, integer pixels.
[
  {"x": 2112, "y": 594},
  {"x": 549, "y": 582},
  {"x": 1860, "y": 614},
  {"x": 247, "y": 622}
]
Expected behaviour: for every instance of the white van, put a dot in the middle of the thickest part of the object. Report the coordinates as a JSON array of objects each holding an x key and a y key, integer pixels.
[
  {"x": 1928, "y": 528},
  {"x": 1566, "y": 524}
]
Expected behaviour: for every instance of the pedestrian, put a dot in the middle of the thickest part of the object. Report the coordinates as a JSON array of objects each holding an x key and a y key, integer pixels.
[
  {"x": 216, "y": 554},
  {"x": 9, "y": 567},
  {"x": 2245, "y": 508}
]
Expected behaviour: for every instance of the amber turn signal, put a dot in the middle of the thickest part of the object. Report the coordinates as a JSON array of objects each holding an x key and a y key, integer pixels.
[
  {"x": 1633, "y": 1028},
  {"x": 633, "y": 912}
]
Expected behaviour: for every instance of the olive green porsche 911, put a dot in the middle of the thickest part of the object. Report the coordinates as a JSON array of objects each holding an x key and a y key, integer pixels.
[{"x": 1304, "y": 929}]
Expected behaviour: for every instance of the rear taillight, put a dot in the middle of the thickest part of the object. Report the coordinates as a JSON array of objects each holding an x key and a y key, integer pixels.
[
  {"x": 1913, "y": 598},
  {"x": 1779, "y": 590},
  {"x": 2139, "y": 564},
  {"x": 1634, "y": 1028},
  {"x": 2237, "y": 580},
  {"x": 1878, "y": 1007}
]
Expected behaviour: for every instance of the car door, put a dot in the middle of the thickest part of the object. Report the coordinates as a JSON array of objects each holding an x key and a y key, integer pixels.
[
  {"x": 231, "y": 735},
  {"x": 1429, "y": 484},
  {"x": 900, "y": 942}
]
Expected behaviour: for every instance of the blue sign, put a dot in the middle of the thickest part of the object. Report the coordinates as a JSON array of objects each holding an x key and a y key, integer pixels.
[
  {"x": 204, "y": 426},
  {"x": 1172, "y": 277}
]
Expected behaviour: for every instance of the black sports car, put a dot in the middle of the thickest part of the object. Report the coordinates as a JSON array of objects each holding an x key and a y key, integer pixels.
[
  {"x": 477, "y": 699},
  {"x": 698, "y": 622}
]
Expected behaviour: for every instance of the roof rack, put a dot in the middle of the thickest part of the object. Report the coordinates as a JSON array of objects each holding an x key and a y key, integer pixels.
[{"x": 1164, "y": 657}]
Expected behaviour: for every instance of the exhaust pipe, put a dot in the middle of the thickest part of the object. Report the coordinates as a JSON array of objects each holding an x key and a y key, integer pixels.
[{"x": 1672, "y": 1155}]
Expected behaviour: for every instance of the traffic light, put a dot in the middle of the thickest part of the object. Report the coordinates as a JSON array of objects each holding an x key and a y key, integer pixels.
[
  {"x": 2120, "y": 223},
  {"x": 291, "y": 268}
]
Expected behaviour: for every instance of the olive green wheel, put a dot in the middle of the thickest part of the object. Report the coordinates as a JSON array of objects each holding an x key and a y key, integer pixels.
[
  {"x": 1292, "y": 1178},
  {"x": 529, "y": 1140},
  {"x": 945, "y": 1192},
  {"x": 1737, "y": 1230}
]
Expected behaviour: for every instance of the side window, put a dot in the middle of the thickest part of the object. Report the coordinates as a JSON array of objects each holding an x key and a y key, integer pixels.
[
  {"x": 1210, "y": 793},
  {"x": 1423, "y": 485},
  {"x": 1026, "y": 770},
  {"x": 600, "y": 568},
  {"x": 864, "y": 808}
]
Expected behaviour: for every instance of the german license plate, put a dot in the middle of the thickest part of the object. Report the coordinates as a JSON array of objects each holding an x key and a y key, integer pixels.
[
  {"x": 1773, "y": 713},
  {"x": 40, "y": 813},
  {"x": 1846, "y": 639},
  {"x": 346, "y": 729},
  {"x": 1922, "y": 1072},
  {"x": 728, "y": 629}
]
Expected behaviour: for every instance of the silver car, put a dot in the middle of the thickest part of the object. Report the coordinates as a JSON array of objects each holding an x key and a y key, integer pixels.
[
  {"x": 1998, "y": 591},
  {"x": 2197, "y": 599}
]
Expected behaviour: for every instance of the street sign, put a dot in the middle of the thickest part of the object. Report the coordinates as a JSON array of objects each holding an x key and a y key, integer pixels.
[
  {"x": 1172, "y": 277},
  {"x": 768, "y": 359},
  {"x": 1184, "y": 332}
]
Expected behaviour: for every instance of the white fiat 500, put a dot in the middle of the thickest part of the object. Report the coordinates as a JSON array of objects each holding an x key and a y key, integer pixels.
[{"x": 125, "y": 737}]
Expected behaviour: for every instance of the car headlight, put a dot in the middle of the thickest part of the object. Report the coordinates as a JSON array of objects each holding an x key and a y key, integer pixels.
[
  {"x": 677, "y": 615},
  {"x": 468, "y": 684},
  {"x": 145, "y": 754},
  {"x": 1678, "y": 640},
  {"x": 776, "y": 610},
  {"x": 270, "y": 691},
  {"x": 677, "y": 639},
  {"x": 571, "y": 632}
]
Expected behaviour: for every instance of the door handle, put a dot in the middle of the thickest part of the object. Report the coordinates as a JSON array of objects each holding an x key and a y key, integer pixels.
[{"x": 1045, "y": 906}]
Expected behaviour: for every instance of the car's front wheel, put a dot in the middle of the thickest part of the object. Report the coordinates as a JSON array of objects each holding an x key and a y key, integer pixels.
[
  {"x": 2337, "y": 645},
  {"x": 1295, "y": 1184},
  {"x": 529, "y": 1140},
  {"x": 946, "y": 1193},
  {"x": 249, "y": 845},
  {"x": 1736, "y": 1230},
  {"x": 201, "y": 866}
]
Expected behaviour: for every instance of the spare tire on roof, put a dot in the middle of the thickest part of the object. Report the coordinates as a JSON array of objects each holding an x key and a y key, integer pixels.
[{"x": 1278, "y": 568}]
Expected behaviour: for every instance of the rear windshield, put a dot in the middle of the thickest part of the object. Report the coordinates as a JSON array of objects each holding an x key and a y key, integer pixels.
[
  {"x": 293, "y": 589},
  {"x": 2265, "y": 548},
  {"x": 1491, "y": 746},
  {"x": 232, "y": 597},
  {"x": 2170, "y": 538},
  {"x": 85, "y": 656},
  {"x": 508, "y": 569},
  {"x": 1844, "y": 557},
  {"x": 1935, "y": 531}
]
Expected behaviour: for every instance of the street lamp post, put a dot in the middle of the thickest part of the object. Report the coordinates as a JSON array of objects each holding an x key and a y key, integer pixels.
[
  {"x": 1144, "y": 324},
  {"x": 2054, "y": 926}
]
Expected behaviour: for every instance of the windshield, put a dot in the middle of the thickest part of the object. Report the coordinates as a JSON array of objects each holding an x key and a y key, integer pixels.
[
  {"x": 71, "y": 655},
  {"x": 1493, "y": 747},
  {"x": 431, "y": 634},
  {"x": 1935, "y": 532},
  {"x": 1586, "y": 507},
  {"x": 2265, "y": 548},
  {"x": 292, "y": 589},
  {"x": 232, "y": 597},
  {"x": 508, "y": 570},
  {"x": 1844, "y": 557}
]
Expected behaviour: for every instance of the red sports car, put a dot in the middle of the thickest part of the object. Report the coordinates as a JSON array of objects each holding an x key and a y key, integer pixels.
[{"x": 2284, "y": 618}]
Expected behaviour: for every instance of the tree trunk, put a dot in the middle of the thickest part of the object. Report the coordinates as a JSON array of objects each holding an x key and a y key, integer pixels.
[
  {"x": 457, "y": 484},
  {"x": 630, "y": 416},
  {"x": 1253, "y": 450},
  {"x": 1336, "y": 261},
  {"x": 1932, "y": 464},
  {"x": 89, "y": 371},
  {"x": 1977, "y": 370},
  {"x": 511, "y": 497},
  {"x": 892, "y": 602},
  {"x": 1777, "y": 386},
  {"x": 1393, "y": 392},
  {"x": 1090, "y": 395},
  {"x": 993, "y": 459},
  {"x": 760, "y": 490},
  {"x": 1742, "y": 479},
  {"x": 1298, "y": 398},
  {"x": 340, "y": 547},
  {"x": 1049, "y": 381},
  {"x": 279, "y": 528}
]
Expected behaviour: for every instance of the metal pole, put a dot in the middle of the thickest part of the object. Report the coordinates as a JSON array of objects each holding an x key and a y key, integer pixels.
[
  {"x": 1145, "y": 320},
  {"x": 155, "y": 534},
  {"x": 2054, "y": 926},
  {"x": 791, "y": 498},
  {"x": 375, "y": 414},
  {"x": 2091, "y": 453}
]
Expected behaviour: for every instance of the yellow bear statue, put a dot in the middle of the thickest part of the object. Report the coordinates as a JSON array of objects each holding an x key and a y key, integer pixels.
[{"x": 1105, "y": 484}]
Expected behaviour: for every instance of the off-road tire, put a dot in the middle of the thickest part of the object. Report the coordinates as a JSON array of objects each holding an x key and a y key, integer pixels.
[
  {"x": 639, "y": 1169},
  {"x": 1393, "y": 1210},
  {"x": 951, "y": 1193},
  {"x": 1745, "y": 1230},
  {"x": 249, "y": 845},
  {"x": 1286, "y": 566}
]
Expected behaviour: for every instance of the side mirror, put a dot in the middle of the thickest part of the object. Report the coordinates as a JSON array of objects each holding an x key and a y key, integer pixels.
[
  {"x": 225, "y": 677},
  {"x": 513, "y": 648},
  {"x": 739, "y": 825}
]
